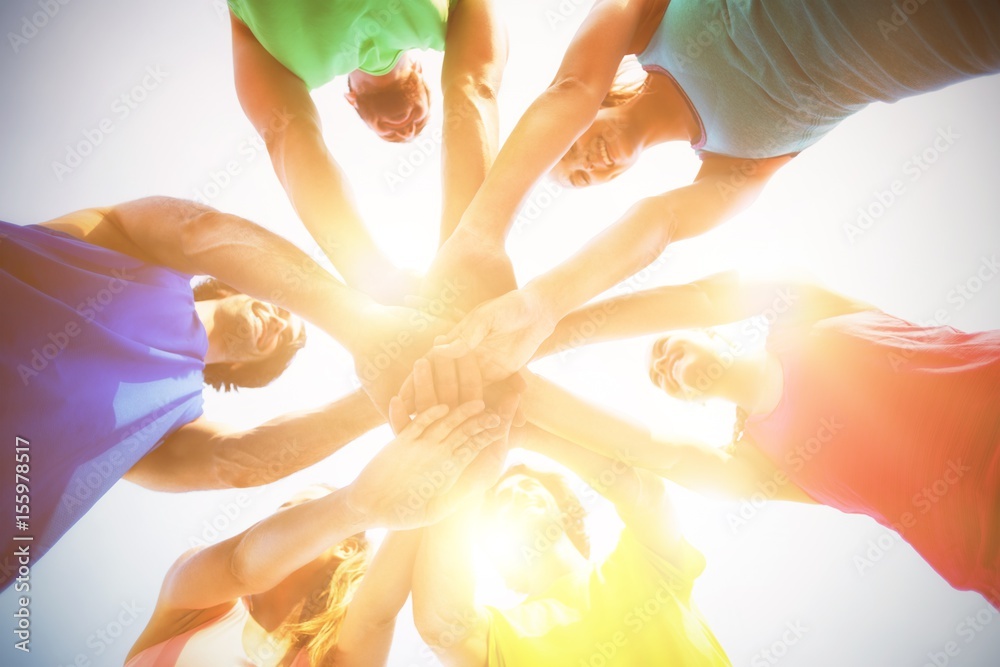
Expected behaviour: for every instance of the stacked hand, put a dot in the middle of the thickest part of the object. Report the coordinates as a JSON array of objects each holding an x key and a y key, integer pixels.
[{"x": 442, "y": 456}]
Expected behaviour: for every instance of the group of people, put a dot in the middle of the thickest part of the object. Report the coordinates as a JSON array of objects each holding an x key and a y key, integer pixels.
[{"x": 106, "y": 365}]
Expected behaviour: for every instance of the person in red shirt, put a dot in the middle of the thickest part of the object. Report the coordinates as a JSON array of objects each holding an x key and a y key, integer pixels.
[{"x": 845, "y": 405}]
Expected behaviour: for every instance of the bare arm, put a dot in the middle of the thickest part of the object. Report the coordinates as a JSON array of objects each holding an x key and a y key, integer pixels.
[
  {"x": 694, "y": 465},
  {"x": 205, "y": 455},
  {"x": 560, "y": 114},
  {"x": 366, "y": 635},
  {"x": 278, "y": 104},
  {"x": 474, "y": 58},
  {"x": 199, "y": 240},
  {"x": 444, "y": 608},
  {"x": 507, "y": 332},
  {"x": 714, "y": 300},
  {"x": 639, "y": 496}
]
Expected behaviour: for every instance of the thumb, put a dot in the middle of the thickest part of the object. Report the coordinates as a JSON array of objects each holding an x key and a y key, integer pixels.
[{"x": 464, "y": 338}]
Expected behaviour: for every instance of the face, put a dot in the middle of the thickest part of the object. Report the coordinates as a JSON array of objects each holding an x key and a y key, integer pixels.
[
  {"x": 250, "y": 330},
  {"x": 688, "y": 365},
  {"x": 522, "y": 518},
  {"x": 397, "y": 106},
  {"x": 601, "y": 154}
]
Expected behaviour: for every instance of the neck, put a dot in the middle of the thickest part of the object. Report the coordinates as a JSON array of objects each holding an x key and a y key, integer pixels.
[
  {"x": 363, "y": 81},
  {"x": 557, "y": 561},
  {"x": 206, "y": 313},
  {"x": 661, "y": 114},
  {"x": 753, "y": 382}
]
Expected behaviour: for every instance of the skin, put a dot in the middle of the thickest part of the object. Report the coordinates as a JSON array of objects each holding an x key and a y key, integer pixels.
[
  {"x": 400, "y": 124},
  {"x": 316, "y": 184},
  {"x": 276, "y": 564},
  {"x": 242, "y": 329},
  {"x": 444, "y": 583},
  {"x": 559, "y": 131}
]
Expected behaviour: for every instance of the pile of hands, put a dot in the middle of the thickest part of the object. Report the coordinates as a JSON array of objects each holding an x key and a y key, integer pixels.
[{"x": 445, "y": 371}]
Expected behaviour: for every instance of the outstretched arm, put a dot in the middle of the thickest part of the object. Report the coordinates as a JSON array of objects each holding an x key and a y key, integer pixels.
[
  {"x": 278, "y": 104},
  {"x": 205, "y": 455},
  {"x": 560, "y": 114},
  {"x": 474, "y": 58},
  {"x": 199, "y": 240},
  {"x": 718, "y": 299},
  {"x": 507, "y": 332},
  {"x": 366, "y": 635},
  {"x": 639, "y": 496},
  {"x": 694, "y": 465},
  {"x": 444, "y": 607}
]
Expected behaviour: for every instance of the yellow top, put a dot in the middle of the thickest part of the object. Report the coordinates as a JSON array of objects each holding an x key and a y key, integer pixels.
[{"x": 633, "y": 610}]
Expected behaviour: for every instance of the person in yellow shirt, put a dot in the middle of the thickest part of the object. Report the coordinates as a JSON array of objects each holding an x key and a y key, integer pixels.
[{"x": 634, "y": 608}]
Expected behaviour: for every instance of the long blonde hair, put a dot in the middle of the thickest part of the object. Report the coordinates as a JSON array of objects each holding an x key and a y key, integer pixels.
[
  {"x": 630, "y": 82},
  {"x": 318, "y": 628}
]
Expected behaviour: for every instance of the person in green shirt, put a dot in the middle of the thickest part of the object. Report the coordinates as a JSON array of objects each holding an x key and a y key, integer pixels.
[
  {"x": 283, "y": 49},
  {"x": 633, "y": 608}
]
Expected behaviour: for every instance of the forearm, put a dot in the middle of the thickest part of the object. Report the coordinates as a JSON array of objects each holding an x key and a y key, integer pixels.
[
  {"x": 470, "y": 144},
  {"x": 319, "y": 191},
  {"x": 543, "y": 135},
  {"x": 197, "y": 239},
  {"x": 646, "y": 312},
  {"x": 290, "y": 443},
  {"x": 286, "y": 541},
  {"x": 622, "y": 250},
  {"x": 444, "y": 607}
]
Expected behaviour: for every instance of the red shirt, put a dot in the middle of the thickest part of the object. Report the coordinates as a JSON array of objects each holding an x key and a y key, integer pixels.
[{"x": 881, "y": 417}]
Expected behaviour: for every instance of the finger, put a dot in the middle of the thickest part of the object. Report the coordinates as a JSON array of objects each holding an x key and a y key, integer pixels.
[
  {"x": 437, "y": 432},
  {"x": 445, "y": 380},
  {"x": 520, "y": 418},
  {"x": 406, "y": 394},
  {"x": 470, "y": 379},
  {"x": 482, "y": 472},
  {"x": 424, "y": 395},
  {"x": 423, "y": 420},
  {"x": 399, "y": 416},
  {"x": 473, "y": 429}
]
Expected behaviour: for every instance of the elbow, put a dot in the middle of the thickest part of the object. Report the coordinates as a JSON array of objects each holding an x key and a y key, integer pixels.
[
  {"x": 234, "y": 469},
  {"x": 434, "y": 630}
]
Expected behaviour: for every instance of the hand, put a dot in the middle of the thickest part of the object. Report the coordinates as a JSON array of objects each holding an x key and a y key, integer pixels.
[
  {"x": 417, "y": 479},
  {"x": 503, "y": 334},
  {"x": 468, "y": 270},
  {"x": 394, "y": 338}
]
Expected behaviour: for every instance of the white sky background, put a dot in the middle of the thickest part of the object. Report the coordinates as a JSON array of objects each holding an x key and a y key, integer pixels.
[{"x": 787, "y": 565}]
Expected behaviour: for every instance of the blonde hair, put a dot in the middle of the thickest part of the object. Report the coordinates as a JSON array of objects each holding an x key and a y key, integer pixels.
[
  {"x": 630, "y": 82},
  {"x": 318, "y": 629}
]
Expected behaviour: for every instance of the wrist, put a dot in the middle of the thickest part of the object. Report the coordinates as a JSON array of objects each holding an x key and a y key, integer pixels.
[
  {"x": 358, "y": 514},
  {"x": 546, "y": 301}
]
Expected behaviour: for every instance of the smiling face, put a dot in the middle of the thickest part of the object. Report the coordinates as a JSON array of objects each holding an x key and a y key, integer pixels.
[
  {"x": 248, "y": 330},
  {"x": 600, "y": 154},
  {"x": 688, "y": 365}
]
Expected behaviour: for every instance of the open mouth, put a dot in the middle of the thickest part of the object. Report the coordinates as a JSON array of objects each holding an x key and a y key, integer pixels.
[{"x": 602, "y": 147}]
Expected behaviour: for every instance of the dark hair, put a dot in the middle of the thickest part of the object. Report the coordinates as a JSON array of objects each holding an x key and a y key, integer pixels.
[
  {"x": 386, "y": 101},
  {"x": 571, "y": 509},
  {"x": 252, "y": 374}
]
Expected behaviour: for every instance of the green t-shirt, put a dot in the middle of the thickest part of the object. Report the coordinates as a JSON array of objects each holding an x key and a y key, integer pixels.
[
  {"x": 321, "y": 39},
  {"x": 633, "y": 610}
]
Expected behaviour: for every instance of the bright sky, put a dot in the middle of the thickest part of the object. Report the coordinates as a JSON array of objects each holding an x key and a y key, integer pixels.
[{"x": 177, "y": 132}]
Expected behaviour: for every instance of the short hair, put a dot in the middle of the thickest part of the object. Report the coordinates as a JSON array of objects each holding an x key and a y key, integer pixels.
[
  {"x": 384, "y": 101},
  {"x": 251, "y": 374},
  {"x": 570, "y": 508}
]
